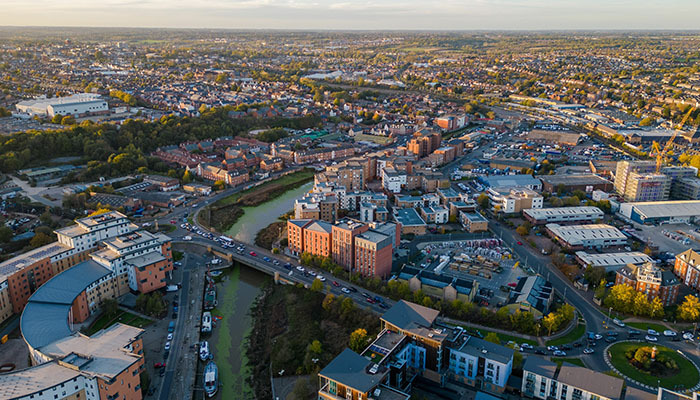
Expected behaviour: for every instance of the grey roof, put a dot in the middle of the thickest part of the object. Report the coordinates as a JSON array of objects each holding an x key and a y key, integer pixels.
[
  {"x": 66, "y": 286},
  {"x": 351, "y": 369},
  {"x": 511, "y": 181},
  {"x": 299, "y": 222},
  {"x": 320, "y": 226},
  {"x": 594, "y": 382},
  {"x": 408, "y": 217},
  {"x": 45, "y": 318},
  {"x": 633, "y": 393},
  {"x": 408, "y": 316},
  {"x": 540, "y": 366},
  {"x": 484, "y": 349}
]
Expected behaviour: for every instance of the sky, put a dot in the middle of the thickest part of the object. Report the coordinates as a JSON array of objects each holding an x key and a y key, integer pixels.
[{"x": 358, "y": 14}]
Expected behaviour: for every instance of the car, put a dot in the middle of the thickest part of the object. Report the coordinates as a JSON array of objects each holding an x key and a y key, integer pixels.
[
  {"x": 300, "y": 268},
  {"x": 170, "y": 337},
  {"x": 254, "y": 254},
  {"x": 162, "y": 372},
  {"x": 366, "y": 295},
  {"x": 512, "y": 284},
  {"x": 370, "y": 300},
  {"x": 598, "y": 336},
  {"x": 566, "y": 347},
  {"x": 650, "y": 338},
  {"x": 288, "y": 266},
  {"x": 336, "y": 284},
  {"x": 539, "y": 351},
  {"x": 383, "y": 306},
  {"x": 345, "y": 290},
  {"x": 527, "y": 346},
  {"x": 266, "y": 259},
  {"x": 618, "y": 323},
  {"x": 559, "y": 353},
  {"x": 552, "y": 348},
  {"x": 577, "y": 344},
  {"x": 159, "y": 365},
  {"x": 669, "y": 333},
  {"x": 275, "y": 262},
  {"x": 688, "y": 336},
  {"x": 151, "y": 391},
  {"x": 613, "y": 333},
  {"x": 610, "y": 339},
  {"x": 632, "y": 332},
  {"x": 312, "y": 273},
  {"x": 167, "y": 346},
  {"x": 652, "y": 332},
  {"x": 352, "y": 289},
  {"x": 520, "y": 243},
  {"x": 175, "y": 315},
  {"x": 321, "y": 278},
  {"x": 588, "y": 350}
]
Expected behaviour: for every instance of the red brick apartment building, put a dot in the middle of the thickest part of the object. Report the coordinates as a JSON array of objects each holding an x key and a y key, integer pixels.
[
  {"x": 687, "y": 268},
  {"x": 650, "y": 280}
]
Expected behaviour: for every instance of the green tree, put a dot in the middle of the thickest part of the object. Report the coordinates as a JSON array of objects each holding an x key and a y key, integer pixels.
[
  {"x": 656, "y": 308},
  {"x": 483, "y": 201},
  {"x": 648, "y": 121},
  {"x": 40, "y": 239},
  {"x": 492, "y": 337},
  {"x": 317, "y": 285},
  {"x": 551, "y": 322},
  {"x": 522, "y": 230},
  {"x": 56, "y": 119},
  {"x": 6, "y": 234},
  {"x": 689, "y": 310},
  {"x": 110, "y": 307},
  {"x": 68, "y": 120},
  {"x": 358, "y": 340}
]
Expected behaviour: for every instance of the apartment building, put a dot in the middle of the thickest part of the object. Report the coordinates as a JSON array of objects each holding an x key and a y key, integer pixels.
[
  {"x": 479, "y": 363},
  {"x": 650, "y": 280},
  {"x": 295, "y": 235},
  {"x": 639, "y": 181},
  {"x": 687, "y": 268},
  {"x": 513, "y": 200},
  {"x": 473, "y": 221},
  {"x": 317, "y": 238},
  {"x": 543, "y": 379},
  {"x": 423, "y": 143},
  {"x": 323, "y": 206},
  {"x": 343, "y": 238},
  {"x": 373, "y": 254}
]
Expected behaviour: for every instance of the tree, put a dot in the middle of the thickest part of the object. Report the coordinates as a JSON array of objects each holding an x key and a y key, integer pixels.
[
  {"x": 358, "y": 340},
  {"x": 110, "y": 307},
  {"x": 483, "y": 201},
  {"x": 492, "y": 337},
  {"x": 56, "y": 119},
  {"x": 219, "y": 185},
  {"x": 187, "y": 177},
  {"x": 656, "y": 308},
  {"x": 6, "y": 234},
  {"x": 595, "y": 275},
  {"x": 317, "y": 285},
  {"x": 68, "y": 120},
  {"x": 522, "y": 230},
  {"x": 689, "y": 310},
  {"x": 40, "y": 239},
  {"x": 551, "y": 322},
  {"x": 99, "y": 211},
  {"x": 301, "y": 389}
]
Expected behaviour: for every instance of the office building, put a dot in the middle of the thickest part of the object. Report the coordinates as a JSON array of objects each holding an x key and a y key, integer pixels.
[
  {"x": 513, "y": 200},
  {"x": 77, "y": 105}
]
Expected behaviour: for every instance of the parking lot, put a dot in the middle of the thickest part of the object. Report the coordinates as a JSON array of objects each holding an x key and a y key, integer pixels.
[
  {"x": 674, "y": 238},
  {"x": 488, "y": 250}
]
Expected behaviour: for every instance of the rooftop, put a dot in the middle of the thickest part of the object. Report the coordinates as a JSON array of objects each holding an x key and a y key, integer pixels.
[
  {"x": 482, "y": 348},
  {"x": 577, "y": 234},
  {"x": 612, "y": 259},
  {"x": 541, "y": 213},
  {"x": 574, "y": 179},
  {"x": 414, "y": 318},
  {"x": 25, "y": 382},
  {"x": 353, "y": 370},
  {"x": 583, "y": 378},
  {"x": 659, "y": 209},
  {"x": 408, "y": 217},
  {"x": 18, "y": 263}
]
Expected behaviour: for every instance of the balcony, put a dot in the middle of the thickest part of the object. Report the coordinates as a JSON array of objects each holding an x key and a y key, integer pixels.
[{"x": 325, "y": 394}]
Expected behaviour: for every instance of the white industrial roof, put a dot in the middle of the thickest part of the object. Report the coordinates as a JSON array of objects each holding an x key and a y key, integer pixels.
[
  {"x": 661, "y": 209},
  {"x": 613, "y": 259},
  {"x": 577, "y": 234},
  {"x": 541, "y": 213}
]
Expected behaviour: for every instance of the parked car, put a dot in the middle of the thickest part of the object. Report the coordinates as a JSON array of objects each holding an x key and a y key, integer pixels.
[
  {"x": 254, "y": 254},
  {"x": 688, "y": 336},
  {"x": 552, "y": 348},
  {"x": 167, "y": 346},
  {"x": 669, "y": 333},
  {"x": 539, "y": 351},
  {"x": 652, "y": 332},
  {"x": 559, "y": 353},
  {"x": 650, "y": 338},
  {"x": 159, "y": 365},
  {"x": 170, "y": 337}
]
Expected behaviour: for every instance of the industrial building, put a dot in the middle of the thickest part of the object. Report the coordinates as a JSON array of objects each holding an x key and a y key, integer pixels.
[
  {"x": 659, "y": 212},
  {"x": 595, "y": 236},
  {"x": 571, "y": 182},
  {"x": 558, "y": 215},
  {"x": 612, "y": 261},
  {"x": 77, "y": 105}
]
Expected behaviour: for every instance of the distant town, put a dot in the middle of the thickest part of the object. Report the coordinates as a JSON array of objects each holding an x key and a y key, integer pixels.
[{"x": 359, "y": 215}]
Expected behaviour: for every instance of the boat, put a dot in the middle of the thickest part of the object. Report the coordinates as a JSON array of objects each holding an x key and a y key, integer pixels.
[
  {"x": 204, "y": 353},
  {"x": 211, "y": 379},
  {"x": 206, "y": 322}
]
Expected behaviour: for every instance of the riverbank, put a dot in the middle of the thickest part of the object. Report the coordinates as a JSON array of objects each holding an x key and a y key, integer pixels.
[
  {"x": 223, "y": 214},
  {"x": 298, "y": 331}
]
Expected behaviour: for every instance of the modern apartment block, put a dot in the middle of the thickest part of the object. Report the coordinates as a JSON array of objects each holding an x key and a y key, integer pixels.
[
  {"x": 21, "y": 276},
  {"x": 543, "y": 379},
  {"x": 513, "y": 200},
  {"x": 357, "y": 246},
  {"x": 650, "y": 280},
  {"x": 413, "y": 343},
  {"x": 323, "y": 206},
  {"x": 639, "y": 181},
  {"x": 424, "y": 143}
]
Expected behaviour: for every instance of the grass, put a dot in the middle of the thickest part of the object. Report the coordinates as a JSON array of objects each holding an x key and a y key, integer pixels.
[
  {"x": 574, "y": 335},
  {"x": 372, "y": 138},
  {"x": 575, "y": 361},
  {"x": 644, "y": 326},
  {"x": 504, "y": 337},
  {"x": 123, "y": 316},
  {"x": 686, "y": 377},
  {"x": 295, "y": 178}
]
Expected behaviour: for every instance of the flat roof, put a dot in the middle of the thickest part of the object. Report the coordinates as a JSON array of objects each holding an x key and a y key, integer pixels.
[
  {"x": 575, "y": 179},
  {"x": 661, "y": 209},
  {"x": 511, "y": 180},
  {"x": 542, "y": 213},
  {"x": 28, "y": 381},
  {"x": 408, "y": 217},
  {"x": 145, "y": 259},
  {"x": 611, "y": 259},
  {"x": 15, "y": 264},
  {"x": 576, "y": 234}
]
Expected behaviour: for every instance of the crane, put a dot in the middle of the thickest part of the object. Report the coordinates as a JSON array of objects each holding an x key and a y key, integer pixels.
[{"x": 656, "y": 148}]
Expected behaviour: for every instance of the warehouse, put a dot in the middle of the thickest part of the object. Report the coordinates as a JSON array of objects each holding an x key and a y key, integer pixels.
[
  {"x": 77, "y": 105},
  {"x": 571, "y": 182},
  {"x": 541, "y": 216},
  {"x": 612, "y": 261},
  {"x": 661, "y": 212},
  {"x": 563, "y": 137},
  {"x": 578, "y": 237}
]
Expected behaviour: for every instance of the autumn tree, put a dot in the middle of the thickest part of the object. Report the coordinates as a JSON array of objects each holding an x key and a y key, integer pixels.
[
  {"x": 358, "y": 340},
  {"x": 689, "y": 310}
]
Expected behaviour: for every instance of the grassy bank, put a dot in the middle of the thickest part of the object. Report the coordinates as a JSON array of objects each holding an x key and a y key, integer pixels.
[
  {"x": 269, "y": 235},
  {"x": 124, "y": 317},
  {"x": 570, "y": 337},
  {"x": 687, "y": 375},
  {"x": 300, "y": 331},
  {"x": 224, "y": 213}
]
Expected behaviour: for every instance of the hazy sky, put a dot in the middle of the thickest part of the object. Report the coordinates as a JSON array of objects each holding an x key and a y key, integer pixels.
[{"x": 358, "y": 14}]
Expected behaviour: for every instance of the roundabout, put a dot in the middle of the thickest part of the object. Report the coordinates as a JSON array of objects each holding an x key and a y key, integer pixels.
[{"x": 652, "y": 365}]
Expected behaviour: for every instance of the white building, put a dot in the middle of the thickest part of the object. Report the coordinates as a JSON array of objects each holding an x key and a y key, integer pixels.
[
  {"x": 543, "y": 379},
  {"x": 393, "y": 180},
  {"x": 563, "y": 214},
  {"x": 514, "y": 200},
  {"x": 587, "y": 236},
  {"x": 612, "y": 261},
  {"x": 479, "y": 360},
  {"x": 88, "y": 231},
  {"x": 77, "y": 105}
]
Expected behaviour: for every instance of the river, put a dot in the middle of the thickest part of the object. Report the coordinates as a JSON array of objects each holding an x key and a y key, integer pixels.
[
  {"x": 257, "y": 218},
  {"x": 236, "y": 294}
]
